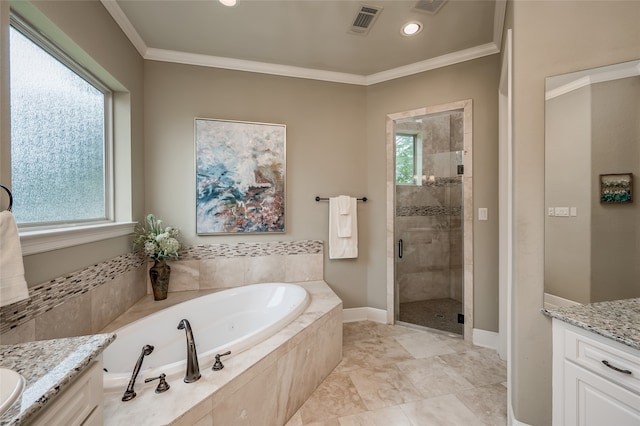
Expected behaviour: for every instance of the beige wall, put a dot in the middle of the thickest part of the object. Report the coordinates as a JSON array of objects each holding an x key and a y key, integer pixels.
[
  {"x": 335, "y": 145},
  {"x": 326, "y": 152},
  {"x": 476, "y": 80},
  {"x": 550, "y": 38},
  {"x": 89, "y": 34}
]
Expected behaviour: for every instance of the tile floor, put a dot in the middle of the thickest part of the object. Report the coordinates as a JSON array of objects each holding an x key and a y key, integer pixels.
[{"x": 397, "y": 376}]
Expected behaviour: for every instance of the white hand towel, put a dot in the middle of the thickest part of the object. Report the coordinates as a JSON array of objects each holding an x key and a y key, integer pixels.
[
  {"x": 13, "y": 287},
  {"x": 343, "y": 247},
  {"x": 343, "y": 219}
]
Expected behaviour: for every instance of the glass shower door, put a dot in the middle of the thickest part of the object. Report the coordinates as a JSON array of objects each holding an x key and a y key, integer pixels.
[{"x": 429, "y": 225}]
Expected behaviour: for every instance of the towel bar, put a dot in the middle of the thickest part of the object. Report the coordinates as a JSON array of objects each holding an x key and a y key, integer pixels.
[
  {"x": 10, "y": 196},
  {"x": 363, "y": 199}
]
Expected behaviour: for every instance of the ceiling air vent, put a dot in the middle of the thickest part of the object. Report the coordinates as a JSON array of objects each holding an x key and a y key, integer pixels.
[
  {"x": 365, "y": 18},
  {"x": 429, "y": 6}
]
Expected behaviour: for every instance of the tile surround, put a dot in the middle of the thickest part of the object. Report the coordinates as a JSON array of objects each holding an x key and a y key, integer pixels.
[
  {"x": 84, "y": 301},
  {"x": 265, "y": 384}
]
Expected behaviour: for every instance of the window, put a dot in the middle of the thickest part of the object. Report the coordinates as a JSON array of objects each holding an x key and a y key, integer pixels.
[
  {"x": 60, "y": 138},
  {"x": 406, "y": 157}
]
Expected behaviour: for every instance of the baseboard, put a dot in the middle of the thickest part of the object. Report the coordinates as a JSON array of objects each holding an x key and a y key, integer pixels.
[
  {"x": 512, "y": 421},
  {"x": 551, "y": 301},
  {"x": 364, "y": 314},
  {"x": 486, "y": 339}
]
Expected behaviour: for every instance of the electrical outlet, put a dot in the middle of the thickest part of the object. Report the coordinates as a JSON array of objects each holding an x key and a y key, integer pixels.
[{"x": 562, "y": 211}]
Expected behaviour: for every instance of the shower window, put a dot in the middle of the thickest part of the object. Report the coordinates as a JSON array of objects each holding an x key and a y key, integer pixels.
[
  {"x": 408, "y": 158},
  {"x": 60, "y": 137}
]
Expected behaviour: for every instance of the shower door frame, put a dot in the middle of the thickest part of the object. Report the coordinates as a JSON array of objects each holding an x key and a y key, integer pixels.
[{"x": 467, "y": 189}]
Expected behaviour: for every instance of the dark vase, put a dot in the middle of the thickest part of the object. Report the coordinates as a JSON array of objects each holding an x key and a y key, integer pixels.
[{"x": 159, "y": 274}]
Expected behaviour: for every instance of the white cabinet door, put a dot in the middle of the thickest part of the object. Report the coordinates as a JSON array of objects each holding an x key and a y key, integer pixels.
[{"x": 591, "y": 400}]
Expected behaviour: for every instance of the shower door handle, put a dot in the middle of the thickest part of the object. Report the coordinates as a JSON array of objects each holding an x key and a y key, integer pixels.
[{"x": 400, "y": 248}]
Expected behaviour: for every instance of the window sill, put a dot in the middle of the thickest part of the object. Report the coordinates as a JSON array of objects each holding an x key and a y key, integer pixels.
[{"x": 41, "y": 241}]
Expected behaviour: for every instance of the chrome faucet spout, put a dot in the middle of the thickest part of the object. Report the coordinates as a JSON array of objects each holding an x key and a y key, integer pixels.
[
  {"x": 193, "y": 369},
  {"x": 129, "y": 394}
]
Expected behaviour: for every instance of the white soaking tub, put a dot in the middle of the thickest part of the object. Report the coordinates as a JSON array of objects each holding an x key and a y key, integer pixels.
[{"x": 229, "y": 320}]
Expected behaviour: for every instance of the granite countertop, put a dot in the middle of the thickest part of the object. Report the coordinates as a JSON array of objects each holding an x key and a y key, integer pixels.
[
  {"x": 618, "y": 320},
  {"x": 48, "y": 367}
]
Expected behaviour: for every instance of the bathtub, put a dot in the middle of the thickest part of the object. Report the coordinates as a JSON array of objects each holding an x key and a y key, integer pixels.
[{"x": 229, "y": 320}]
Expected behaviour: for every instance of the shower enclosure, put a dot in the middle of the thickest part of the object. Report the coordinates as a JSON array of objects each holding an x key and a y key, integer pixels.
[{"x": 429, "y": 225}]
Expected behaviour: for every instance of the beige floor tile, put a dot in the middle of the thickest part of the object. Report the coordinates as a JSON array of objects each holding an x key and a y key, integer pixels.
[
  {"x": 383, "y": 387},
  {"x": 295, "y": 420},
  {"x": 433, "y": 377},
  {"x": 397, "y": 376},
  {"x": 371, "y": 353},
  {"x": 480, "y": 367},
  {"x": 364, "y": 330},
  {"x": 441, "y": 410},
  {"x": 390, "y": 416},
  {"x": 335, "y": 397},
  {"x": 424, "y": 345},
  {"x": 489, "y": 403}
]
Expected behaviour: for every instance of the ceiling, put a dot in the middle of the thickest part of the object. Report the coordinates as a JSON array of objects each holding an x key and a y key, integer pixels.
[{"x": 311, "y": 38}]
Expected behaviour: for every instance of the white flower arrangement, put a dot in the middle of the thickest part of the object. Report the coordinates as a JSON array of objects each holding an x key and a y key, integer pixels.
[{"x": 156, "y": 242}]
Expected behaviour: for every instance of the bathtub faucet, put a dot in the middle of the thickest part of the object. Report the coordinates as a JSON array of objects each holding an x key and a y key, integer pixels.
[
  {"x": 193, "y": 369},
  {"x": 129, "y": 394}
]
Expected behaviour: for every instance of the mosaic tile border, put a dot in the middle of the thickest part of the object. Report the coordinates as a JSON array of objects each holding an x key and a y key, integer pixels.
[
  {"x": 428, "y": 211},
  {"x": 48, "y": 295},
  {"x": 443, "y": 181},
  {"x": 286, "y": 248}
]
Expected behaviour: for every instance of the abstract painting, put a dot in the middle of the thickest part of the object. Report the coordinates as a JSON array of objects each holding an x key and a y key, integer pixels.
[
  {"x": 240, "y": 177},
  {"x": 616, "y": 188}
]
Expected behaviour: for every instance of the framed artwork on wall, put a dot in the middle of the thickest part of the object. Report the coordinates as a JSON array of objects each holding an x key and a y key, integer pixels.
[
  {"x": 616, "y": 188},
  {"x": 240, "y": 177}
]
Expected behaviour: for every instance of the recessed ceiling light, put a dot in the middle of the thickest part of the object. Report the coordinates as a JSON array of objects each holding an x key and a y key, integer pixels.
[
  {"x": 411, "y": 28},
  {"x": 229, "y": 3}
]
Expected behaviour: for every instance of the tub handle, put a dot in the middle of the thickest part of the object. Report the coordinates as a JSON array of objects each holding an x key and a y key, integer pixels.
[
  {"x": 163, "y": 386},
  {"x": 218, "y": 364}
]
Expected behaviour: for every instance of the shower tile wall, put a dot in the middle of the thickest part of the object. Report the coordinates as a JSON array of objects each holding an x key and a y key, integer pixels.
[{"x": 429, "y": 217}]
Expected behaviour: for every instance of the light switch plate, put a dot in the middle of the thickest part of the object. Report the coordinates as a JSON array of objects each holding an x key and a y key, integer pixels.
[{"x": 483, "y": 213}]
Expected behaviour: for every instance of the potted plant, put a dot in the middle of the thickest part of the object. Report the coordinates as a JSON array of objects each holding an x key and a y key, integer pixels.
[{"x": 159, "y": 244}]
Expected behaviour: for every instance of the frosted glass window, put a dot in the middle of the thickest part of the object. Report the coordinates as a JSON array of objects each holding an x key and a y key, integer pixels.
[
  {"x": 405, "y": 159},
  {"x": 58, "y": 145}
]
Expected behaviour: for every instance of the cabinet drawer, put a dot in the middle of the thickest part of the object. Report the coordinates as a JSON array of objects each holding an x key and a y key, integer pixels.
[
  {"x": 82, "y": 399},
  {"x": 590, "y": 353},
  {"x": 594, "y": 400}
]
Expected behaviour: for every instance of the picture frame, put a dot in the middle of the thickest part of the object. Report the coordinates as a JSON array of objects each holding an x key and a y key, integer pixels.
[
  {"x": 616, "y": 188},
  {"x": 240, "y": 177}
]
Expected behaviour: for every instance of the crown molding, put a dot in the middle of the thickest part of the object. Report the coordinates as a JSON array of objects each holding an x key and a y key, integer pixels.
[
  {"x": 498, "y": 22},
  {"x": 127, "y": 27},
  {"x": 163, "y": 55},
  {"x": 433, "y": 63},
  {"x": 599, "y": 75},
  {"x": 251, "y": 66}
]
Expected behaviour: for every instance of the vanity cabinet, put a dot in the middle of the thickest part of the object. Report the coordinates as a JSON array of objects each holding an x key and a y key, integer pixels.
[
  {"x": 80, "y": 403},
  {"x": 596, "y": 380}
]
